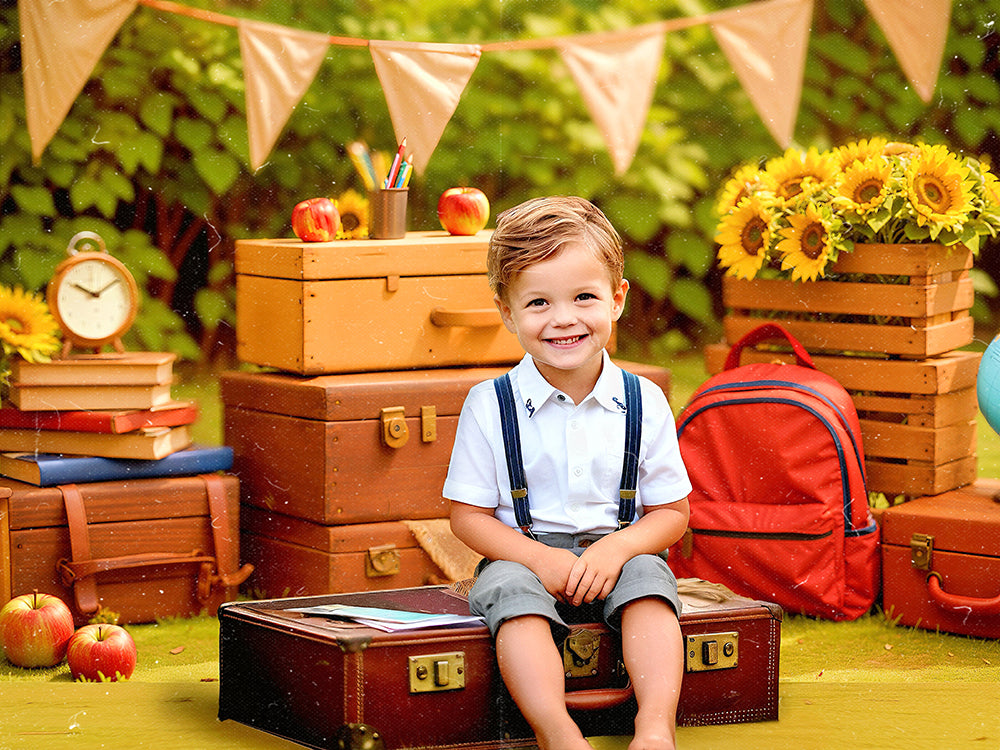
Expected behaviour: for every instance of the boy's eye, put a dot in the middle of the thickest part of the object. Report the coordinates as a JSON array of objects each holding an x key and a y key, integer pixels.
[
  {"x": 536, "y": 302},
  {"x": 586, "y": 296}
]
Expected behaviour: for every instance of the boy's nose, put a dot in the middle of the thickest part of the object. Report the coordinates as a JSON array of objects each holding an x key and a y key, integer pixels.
[{"x": 564, "y": 315}]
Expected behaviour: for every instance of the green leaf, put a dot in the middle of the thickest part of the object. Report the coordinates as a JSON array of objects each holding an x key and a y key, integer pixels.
[
  {"x": 157, "y": 113},
  {"x": 36, "y": 199},
  {"x": 650, "y": 272},
  {"x": 212, "y": 307},
  {"x": 218, "y": 169},
  {"x": 692, "y": 299},
  {"x": 193, "y": 134}
]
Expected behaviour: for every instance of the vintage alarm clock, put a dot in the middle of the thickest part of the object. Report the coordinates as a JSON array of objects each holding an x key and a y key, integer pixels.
[{"x": 92, "y": 295}]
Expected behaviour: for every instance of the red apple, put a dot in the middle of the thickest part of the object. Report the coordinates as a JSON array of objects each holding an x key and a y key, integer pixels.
[
  {"x": 316, "y": 220},
  {"x": 463, "y": 210},
  {"x": 34, "y": 630},
  {"x": 101, "y": 652}
]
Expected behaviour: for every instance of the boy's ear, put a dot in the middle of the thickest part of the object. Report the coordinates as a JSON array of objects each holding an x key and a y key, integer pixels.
[
  {"x": 505, "y": 315},
  {"x": 618, "y": 299}
]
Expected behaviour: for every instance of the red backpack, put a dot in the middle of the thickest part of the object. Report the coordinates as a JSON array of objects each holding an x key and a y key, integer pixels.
[{"x": 779, "y": 509}]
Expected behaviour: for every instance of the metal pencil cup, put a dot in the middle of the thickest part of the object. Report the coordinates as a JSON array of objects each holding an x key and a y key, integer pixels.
[{"x": 387, "y": 213}]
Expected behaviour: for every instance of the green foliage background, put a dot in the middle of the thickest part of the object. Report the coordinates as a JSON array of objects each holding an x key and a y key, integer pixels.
[{"x": 154, "y": 155}]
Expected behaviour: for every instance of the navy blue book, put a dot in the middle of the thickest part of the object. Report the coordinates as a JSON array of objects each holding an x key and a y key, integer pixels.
[{"x": 48, "y": 469}]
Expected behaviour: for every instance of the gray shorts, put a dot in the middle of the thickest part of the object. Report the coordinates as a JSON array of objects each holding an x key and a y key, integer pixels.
[{"x": 505, "y": 589}]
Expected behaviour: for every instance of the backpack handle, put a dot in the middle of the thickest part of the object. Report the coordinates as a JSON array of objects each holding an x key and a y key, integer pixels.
[{"x": 763, "y": 333}]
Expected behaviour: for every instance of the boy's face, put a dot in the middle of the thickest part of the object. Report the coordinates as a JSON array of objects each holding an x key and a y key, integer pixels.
[{"x": 562, "y": 310}]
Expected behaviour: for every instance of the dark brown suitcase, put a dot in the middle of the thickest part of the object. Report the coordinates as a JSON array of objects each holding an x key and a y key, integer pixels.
[
  {"x": 941, "y": 561},
  {"x": 328, "y": 683},
  {"x": 142, "y": 548},
  {"x": 352, "y": 448},
  {"x": 295, "y": 557}
]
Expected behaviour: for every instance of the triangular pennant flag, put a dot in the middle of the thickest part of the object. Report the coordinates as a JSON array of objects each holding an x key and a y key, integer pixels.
[
  {"x": 766, "y": 43},
  {"x": 916, "y": 30},
  {"x": 279, "y": 64},
  {"x": 616, "y": 78},
  {"x": 61, "y": 43},
  {"x": 422, "y": 85}
]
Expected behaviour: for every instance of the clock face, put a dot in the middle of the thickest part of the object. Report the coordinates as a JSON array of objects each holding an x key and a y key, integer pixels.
[{"x": 95, "y": 300}]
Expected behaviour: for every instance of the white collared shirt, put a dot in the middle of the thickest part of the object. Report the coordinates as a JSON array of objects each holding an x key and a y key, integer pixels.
[{"x": 572, "y": 452}]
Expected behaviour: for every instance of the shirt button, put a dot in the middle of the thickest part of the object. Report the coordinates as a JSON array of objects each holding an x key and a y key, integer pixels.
[
  {"x": 577, "y": 471},
  {"x": 574, "y": 508},
  {"x": 561, "y": 397},
  {"x": 574, "y": 424}
]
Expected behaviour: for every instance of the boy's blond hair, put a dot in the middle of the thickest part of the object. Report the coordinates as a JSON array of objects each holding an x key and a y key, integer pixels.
[{"x": 538, "y": 228}]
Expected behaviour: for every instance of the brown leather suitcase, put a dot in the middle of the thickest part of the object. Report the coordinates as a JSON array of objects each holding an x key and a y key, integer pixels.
[
  {"x": 295, "y": 557},
  {"x": 941, "y": 561},
  {"x": 328, "y": 683},
  {"x": 352, "y": 448},
  {"x": 142, "y": 548}
]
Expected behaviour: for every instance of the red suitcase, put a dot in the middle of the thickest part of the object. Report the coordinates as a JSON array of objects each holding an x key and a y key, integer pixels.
[
  {"x": 941, "y": 561},
  {"x": 328, "y": 683}
]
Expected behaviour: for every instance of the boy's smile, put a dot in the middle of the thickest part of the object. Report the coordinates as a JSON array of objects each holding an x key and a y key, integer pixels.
[{"x": 562, "y": 310}]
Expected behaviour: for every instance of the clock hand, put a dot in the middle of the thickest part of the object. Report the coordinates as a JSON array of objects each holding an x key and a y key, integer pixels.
[
  {"x": 105, "y": 288},
  {"x": 86, "y": 291}
]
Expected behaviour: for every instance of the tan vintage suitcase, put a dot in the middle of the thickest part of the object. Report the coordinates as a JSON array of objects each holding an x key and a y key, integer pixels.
[
  {"x": 295, "y": 557},
  {"x": 352, "y": 448},
  {"x": 142, "y": 548},
  {"x": 368, "y": 305},
  {"x": 941, "y": 561},
  {"x": 326, "y": 683}
]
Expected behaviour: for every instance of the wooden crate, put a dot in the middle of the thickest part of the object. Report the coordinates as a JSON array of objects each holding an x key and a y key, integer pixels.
[
  {"x": 918, "y": 308},
  {"x": 918, "y": 417}
]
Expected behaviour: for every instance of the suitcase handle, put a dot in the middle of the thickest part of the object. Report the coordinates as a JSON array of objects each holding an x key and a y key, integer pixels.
[
  {"x": 482, "y": 318},
  {"x": 599, "y": 698},
  {"x": 763, "y": 333},
  {"x": 973, "y": 604}
]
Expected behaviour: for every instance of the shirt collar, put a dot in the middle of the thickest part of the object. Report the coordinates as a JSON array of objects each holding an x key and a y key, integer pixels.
[{"x": 535, "y": 390}]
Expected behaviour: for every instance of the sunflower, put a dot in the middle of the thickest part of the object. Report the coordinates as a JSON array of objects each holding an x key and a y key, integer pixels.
[
  {"x": 798, "y": 175},
  {"x": 863, "y": 186},
  {"x": 27, "y": 328},
  {"x": 806, "y": 245},
  {"x": 353, "y": 208},
  {"x": 862, "y": 150},
  {"x": 991, "y": 188},
  {"x": 939, "y": 189},
  {"x": 744, "y": 236},
  {"x": 745, "y": 181}
]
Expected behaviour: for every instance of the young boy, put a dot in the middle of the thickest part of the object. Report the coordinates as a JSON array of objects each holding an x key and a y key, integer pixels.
[{"x": 555, "y": 266}]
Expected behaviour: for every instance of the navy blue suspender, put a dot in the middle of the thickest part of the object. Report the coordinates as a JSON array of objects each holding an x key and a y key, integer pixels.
[{"x": 515, "y": 463}]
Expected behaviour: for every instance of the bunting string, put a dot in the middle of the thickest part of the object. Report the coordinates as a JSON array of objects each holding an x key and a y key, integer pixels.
[{"x": 764, "y": 41}]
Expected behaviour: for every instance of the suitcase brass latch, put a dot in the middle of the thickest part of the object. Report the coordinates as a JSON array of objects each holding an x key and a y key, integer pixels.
[
  {"x": 709, "y": 651},
  {"x": 433, "y": 673},
  {"x": 921, "y": 551},
  {"x": 580, "y": 651},
  {"x": 382, "y": 561},
  {"x": 395, "y": 433}
]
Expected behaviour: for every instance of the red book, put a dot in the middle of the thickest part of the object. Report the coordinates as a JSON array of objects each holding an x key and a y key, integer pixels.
[{"x": 106, "y": 421}]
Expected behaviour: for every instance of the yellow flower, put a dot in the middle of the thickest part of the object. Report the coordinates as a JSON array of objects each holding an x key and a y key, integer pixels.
[
  {"x": 863, "y": 186},
  {"x": 862, "y": 150},
  {"x": 799, "y": 175},
  {"x": 747, "y": 180},
  {"x": 938, "y": 188},
  {"x": 353, "y": 208},
  {"x": 805, "y": 245},
  {"x": 744, "y": 236},
  {"x": 27, "y": 328},
  {"x": 991, "y": 187}
]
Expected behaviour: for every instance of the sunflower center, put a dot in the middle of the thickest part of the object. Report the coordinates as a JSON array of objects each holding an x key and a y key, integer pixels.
[
  {"x": 934, "y": 194},
  {"x": 752, "y": 237},
  {"x": 350, "y": 221},
  {"x": 16, "y": 325},
  {"x": 812, "y": 240},
  {"x": 792, "y": 187},
  {"x": 867, "y": 191}
]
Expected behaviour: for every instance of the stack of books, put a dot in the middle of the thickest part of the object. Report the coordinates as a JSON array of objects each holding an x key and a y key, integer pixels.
[{"x": 100, "y": 417}]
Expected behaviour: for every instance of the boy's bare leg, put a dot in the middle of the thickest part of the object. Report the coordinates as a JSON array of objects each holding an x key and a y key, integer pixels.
[
  {"x": 532, "y": 669},
  {"x": 654, "y": 657}
]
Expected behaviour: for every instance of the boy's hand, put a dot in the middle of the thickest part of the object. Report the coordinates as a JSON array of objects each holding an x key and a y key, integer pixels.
[
  {"x": 596, "y": 571},
  {"x": 554, "y": 569}
]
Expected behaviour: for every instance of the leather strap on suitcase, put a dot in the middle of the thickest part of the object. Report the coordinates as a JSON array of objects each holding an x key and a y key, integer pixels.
[{"x": 79, "y": 572}]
